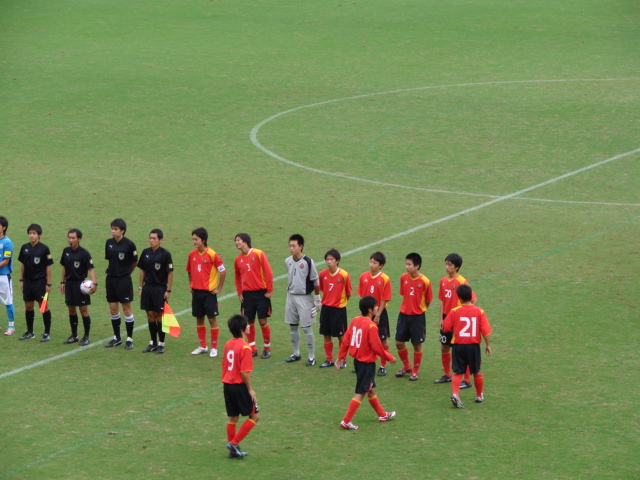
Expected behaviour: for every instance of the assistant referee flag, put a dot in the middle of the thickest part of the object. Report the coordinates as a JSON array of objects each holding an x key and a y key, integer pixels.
[
  {"x": 45, "y": 301},
  {"x": 170, "y": 324}
]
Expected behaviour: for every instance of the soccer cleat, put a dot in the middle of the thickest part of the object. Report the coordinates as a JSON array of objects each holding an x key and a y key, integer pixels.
[
  {"x": 235, "y": 450},
  {"x": 200, "y": 350},
  {"x": 354, "y": 371},
  {"x": 113, "y": 343},
  {"x": 150, "y": 348},
  {"x": 45, "y": 337},
  {"x": 443, "y": 379},
  {"x": 128, "y": 345},
  {"x": 254, "y": 353},
  {"x": 10, "y": 331},
  {"x": 402, "y": 372},
  {"x": 480, "y": 399},
  {"x": 293, "y": 358},
  {"x": 71, "y": 339},
  {"x": 344, "y": 365},
  {"x": 326, "y": 364},
  {"x": 464, "y": 385},
  {"x": 85, "y": 341},
  {"x": 265, "y": 354},
  {"x": 311, "y": 362},
  {"x": 213, "y": 353},
  {"x": 348, "y": 426},
  {"x": 456, "y": 401},
  {"x": 387, "y": 416},
  {"x": 27, "y": 336},
  {"x": 413, "y": 377},
  {"x": 382, "y": 371},
  {"x": 160, "y": 349}
]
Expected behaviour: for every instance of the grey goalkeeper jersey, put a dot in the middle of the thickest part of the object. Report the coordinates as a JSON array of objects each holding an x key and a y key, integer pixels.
[{"x": 303, "y": 276}]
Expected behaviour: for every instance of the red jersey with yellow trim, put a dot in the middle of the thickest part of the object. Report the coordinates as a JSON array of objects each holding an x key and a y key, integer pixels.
[
  {"x": 204, "y": 268},
  {"x": 379, "y": 287},
  {"x": 253, "y": 272},
  {"x": 236, "y": 360},
  {"x": 416, "y": 294},
  {"x": 469, "y": 324},
  {"x": 335, "y": 288},
  {"x": 448, "y": 293},
  {"x": 363, "y": 342}
]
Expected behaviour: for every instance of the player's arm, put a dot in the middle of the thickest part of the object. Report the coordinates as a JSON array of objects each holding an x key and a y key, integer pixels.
[
  {"x": 238, "y": 280},
  {"x": 142, "y": 275},
  {"x": 223, "y": 275},
  {"x": 381, "y": 307},
  {"x": 268, "y": 275},
  {"x": 167, "y": 293},
  {"x": 441, "y": 313},
  {"x": 344, "y": 346},
  {"x": 94, "y": 287},
  {"x": 22, "y": 278},
  {"x": 5, "y": 262},
  {"x": 133, "y": 266},
  {"x": 62, "y": 281},
  {"x": 49, "y": 273},
  {"x": 376, "y": 345},
  {"x": 246, "y": 378},
  {"x": 487, "y": 342}
]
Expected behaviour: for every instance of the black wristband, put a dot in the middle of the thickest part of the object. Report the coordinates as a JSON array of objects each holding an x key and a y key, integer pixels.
[{"x": 168, "y": 291}]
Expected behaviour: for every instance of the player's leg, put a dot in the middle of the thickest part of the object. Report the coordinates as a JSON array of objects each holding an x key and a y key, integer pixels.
[
  {"x": 29, "y": 316},
  {"x": 111, "y": 285},
  {"x": 459, "y": 365},
  {"x": 292, "y": 318},
  {"x": 73, "y": 320},
  {"x": 214, "y": 330},
  {"x": 325, "y": 331},
  {"x": 153, "y": 331},
  {"x": 264, "y": 312},
  {"x": 6, "y": 298},
  {"x": 248, "y": 408},
  {"x": 198, "y": 311},
  {"x": 128, "y": 322},
  {"x": 383, "y": 333},
  {"x": 418, "y": 334},
  {"x": 86, "y": 323},
  {"x": 403, "y": 335},
  {"x": 307, "y": 318}
]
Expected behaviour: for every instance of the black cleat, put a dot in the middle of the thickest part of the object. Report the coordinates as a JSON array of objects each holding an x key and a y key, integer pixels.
[
  {"x": 293, "y": 358},
  {"x": 71, "y": 339},
  {"x": 443, "y": 379},
  {"x": 27, "y": 336},
  {"x": 85, "y": 341},
  {"x": 115, "y": 342},
  {"x": 311, "y": 362},
  {"x": 235, "y": 451},
  {"x": 265, "y": 354},
  {"x": 254, "y": 353},
  {"x": 326, "y": 364},
  {"x": 464, "y": 385},
  {"x": 128, "y": 345},
  {"x": 45, "y": 337},
  {"x": 382, "y": 371},
  {"x": 160, "y": 349},
  {"x": 150, "y": 348}
]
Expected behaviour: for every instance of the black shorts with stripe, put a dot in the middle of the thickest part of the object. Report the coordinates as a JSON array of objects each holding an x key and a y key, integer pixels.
[
  {"x": 383, "y": 326},
  {"x": 152, "y": 298},
  {"x": 119, "y": 289},
  {"x": 204, "y": 304},
  {"x": 365, "y": 376},
  {"x": 411, "y": 327},
  {"x": 34, "y": 290},
  {"x": 238, "y": 401},
  {"x": 333, "y": 321},
  {"x": 73, "y": 296},
  {"x": 255, "y": 304},
  {"x": 465, "y": 355}
]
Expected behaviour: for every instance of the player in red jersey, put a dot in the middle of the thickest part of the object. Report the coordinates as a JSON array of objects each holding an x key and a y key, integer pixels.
[
  {"x": 363, "y": 343},
  {"x": 378, "y": 285},
  {"x": 416, "y": 293},
  {"x": 254, "y": 285},
  {"x": 335, "y": 285},
  {"x": 206, "y": 278},
  {"x": 239, "y": 396},
  {"x": 468, "y": 324},
  {"x": 449, "y": 300}
]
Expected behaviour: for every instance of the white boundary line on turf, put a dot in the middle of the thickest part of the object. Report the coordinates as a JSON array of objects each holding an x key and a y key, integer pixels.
[
  {"x": 359, "y": 249},
  {"x": 254, "y": 131}
]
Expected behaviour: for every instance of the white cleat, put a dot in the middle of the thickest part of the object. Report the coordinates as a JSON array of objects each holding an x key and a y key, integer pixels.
[
  {"x": 213, "y": 353},
  {"x": 199, "y": 351}
]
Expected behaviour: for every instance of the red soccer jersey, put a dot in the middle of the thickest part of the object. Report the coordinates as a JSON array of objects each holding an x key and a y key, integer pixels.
[
  {"x": 378, "y": 287},
  {"x": 448, "y": 294},
  {"x": 253, "y": 272},
  {"x": 469, "y": 324},
  {"x": 416, "y": 294},
  {"x": 335, "y": 288},
  {"x": 204, "y": 268},
  {"x": 236, "y": 360},
  {"x": 363, "y": 342}
]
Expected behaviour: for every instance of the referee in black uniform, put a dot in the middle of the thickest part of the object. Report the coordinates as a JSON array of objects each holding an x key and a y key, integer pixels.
[
  {"x": 123, "y": 258},
  {"x": 156, "y": 277}
]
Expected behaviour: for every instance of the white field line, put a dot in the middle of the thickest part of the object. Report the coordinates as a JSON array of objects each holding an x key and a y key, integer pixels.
[
  {"x": 355, "y": 250},
  {"x": 254, "y": 132}
]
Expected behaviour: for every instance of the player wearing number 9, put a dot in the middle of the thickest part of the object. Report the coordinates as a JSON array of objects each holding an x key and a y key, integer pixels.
[
  {"x": 239, "y": 397},
  {"x": 469, "y": 325}
]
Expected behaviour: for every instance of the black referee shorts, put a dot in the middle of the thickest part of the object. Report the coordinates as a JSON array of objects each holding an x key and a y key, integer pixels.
[
  {"x": 73, "y": 296},
  {"x": 34, "y": 290},
  {"x": 119, "y": 289},
  {"x": 152, "y": 298}
]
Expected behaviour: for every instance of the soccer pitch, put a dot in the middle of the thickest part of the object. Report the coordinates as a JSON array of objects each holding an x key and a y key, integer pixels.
[{"x": 507, "y": 132}]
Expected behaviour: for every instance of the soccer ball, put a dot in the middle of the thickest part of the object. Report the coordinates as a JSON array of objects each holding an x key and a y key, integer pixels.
[{"x": 85, "y": 287}]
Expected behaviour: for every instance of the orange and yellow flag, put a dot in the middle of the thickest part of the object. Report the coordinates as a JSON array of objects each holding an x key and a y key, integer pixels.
[
  {"x": 45, "y": 302},
  {"x": 170, "y": 324}
]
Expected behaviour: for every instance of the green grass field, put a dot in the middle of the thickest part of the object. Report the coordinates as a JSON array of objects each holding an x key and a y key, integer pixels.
[{"x": 506, "y": 131}]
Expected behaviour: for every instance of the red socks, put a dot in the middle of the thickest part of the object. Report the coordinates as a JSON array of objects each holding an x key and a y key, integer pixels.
[
  {"x": 351, "y": 411},
  {"x": 202, "y": 335},
  {"x": 479, "y": 380},
  {"x": 328, "y": 351},
  {"x": 244, "y": 431},
  {"x": 215, "y": 331},
  {"x": 266, "y": 335},
  {"x": 383, "y": 360},
  {"x": 455, "y": 384},
  {"x": 417, "y": 358},
  {"x": 446, "y": 363},
  {"x": 404, "y": 356},
  {"x": 231, "y": 431},
  {"x": 375, "y": 403},
  {"x": 252, "y": 337}
]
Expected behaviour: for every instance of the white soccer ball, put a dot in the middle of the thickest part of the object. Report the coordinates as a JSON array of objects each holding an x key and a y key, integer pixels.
[{"x": 85, "y": 287}]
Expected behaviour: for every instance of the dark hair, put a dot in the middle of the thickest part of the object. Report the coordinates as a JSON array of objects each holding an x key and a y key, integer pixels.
[
  {"x": 237, "y": 324},
  {"x": 35, "y": 227},
  {"x": 334, "y": 253},
  {"x": 378, "y": 257},
  {"x": 245, "y": 238},
  {"x": 298, "y": 238},
  {"x": 202, "y": 234},
  {"x": 415, "y": 258},
  {"x": 367, "y": 303},
  {"x": 4, "y": 223},
  {"x": 455, "y": 259},
  {"x": 158, "y": 232},
  {"x": 465, "y": 294},
  {"x": 120, "y": 223},
  {"x": 76, "y": 231}
]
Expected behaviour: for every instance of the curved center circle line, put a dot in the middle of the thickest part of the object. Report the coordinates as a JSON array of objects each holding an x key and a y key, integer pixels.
[{"x": 254, "y": 131}]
